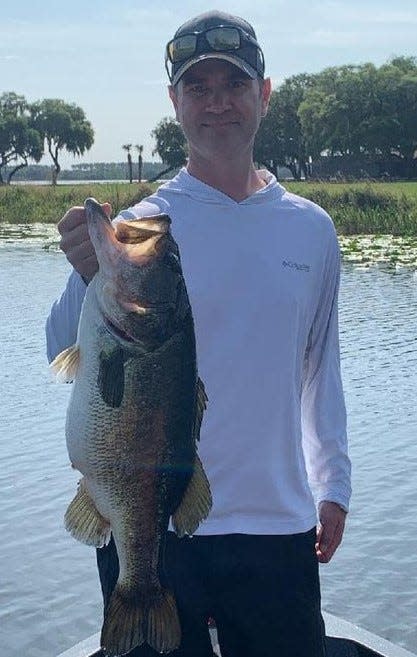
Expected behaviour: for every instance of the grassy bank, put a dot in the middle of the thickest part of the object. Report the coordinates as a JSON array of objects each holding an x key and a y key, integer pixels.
[
  {"x": 356, "y": 208},
  {"x": 366, "y": 208},
  {"x": 26, "y": 204}
]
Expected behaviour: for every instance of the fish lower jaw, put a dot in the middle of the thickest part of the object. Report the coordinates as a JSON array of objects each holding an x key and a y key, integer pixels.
[{"x": 122, "y": 336}]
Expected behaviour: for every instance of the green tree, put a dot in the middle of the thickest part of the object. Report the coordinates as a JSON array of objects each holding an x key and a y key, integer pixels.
[
  {"x": 139, "y": 149},
  {"x": 171, "y": 145},
  {"x": 127, "y": 148},
  {"x": 63, "y": 126},
  {"x": 397, "y": 93},
  {"x": 363, "y": 111},
  {"x": 333, "y": 110},
  {"x": 280, "y": 140},
  {"x": 269, "y": 149},
  {"x": 19, "y": 140}
]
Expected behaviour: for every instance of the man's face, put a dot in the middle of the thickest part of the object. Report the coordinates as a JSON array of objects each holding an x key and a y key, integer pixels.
[{"x": 219, "y": 109}]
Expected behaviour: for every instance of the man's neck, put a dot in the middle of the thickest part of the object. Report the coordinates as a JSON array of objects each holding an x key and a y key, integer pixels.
[{"x": 235, "y": 180}]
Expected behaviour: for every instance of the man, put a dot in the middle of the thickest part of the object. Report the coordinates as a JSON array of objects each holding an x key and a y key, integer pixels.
[{"x": 262, "y": 270}]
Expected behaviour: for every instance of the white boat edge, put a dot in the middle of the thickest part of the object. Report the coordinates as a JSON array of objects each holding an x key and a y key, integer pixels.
[
  {"x": 335, "y": 627},
  {"x": 339, "y": 628}
]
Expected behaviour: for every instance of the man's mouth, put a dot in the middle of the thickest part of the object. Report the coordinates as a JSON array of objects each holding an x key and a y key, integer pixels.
[{"x": 220, "y": 124}]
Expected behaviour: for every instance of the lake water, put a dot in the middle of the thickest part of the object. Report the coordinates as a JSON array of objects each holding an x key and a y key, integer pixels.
[{"x": 49, "y": 592}]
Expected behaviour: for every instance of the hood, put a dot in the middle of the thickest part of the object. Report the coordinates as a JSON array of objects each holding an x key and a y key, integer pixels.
[{"x": 186, "y": 184}]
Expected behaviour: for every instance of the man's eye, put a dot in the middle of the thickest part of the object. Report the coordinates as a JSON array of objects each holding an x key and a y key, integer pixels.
[
  {"x": 237, "y": 84},
  {"x": 197, "y": 89}
]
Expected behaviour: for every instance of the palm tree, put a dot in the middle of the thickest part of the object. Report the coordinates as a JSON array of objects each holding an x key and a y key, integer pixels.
[
  {"x": 140, "y": 162},
  {"x": 127, "y": 148}
]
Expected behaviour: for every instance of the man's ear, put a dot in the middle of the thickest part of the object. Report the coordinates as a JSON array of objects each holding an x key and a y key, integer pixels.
[
  {"x": 173, "y": 95},
  {"x": 266, "y": 95}
]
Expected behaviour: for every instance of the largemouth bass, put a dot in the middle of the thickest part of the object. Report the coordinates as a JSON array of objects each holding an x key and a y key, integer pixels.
[{"x": 133, "y": 421}]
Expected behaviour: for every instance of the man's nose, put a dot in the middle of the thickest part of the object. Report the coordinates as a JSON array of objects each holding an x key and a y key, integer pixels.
[{"x": 219, "y": 101}]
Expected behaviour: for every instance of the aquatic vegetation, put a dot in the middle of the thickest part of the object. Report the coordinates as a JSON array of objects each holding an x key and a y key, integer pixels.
[{"x": 369, "y": 250}]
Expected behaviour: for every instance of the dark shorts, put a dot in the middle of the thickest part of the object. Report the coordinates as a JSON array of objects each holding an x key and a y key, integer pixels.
[{"x": 263, "y": 593}]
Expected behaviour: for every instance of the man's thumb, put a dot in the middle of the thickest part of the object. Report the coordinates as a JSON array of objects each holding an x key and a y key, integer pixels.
[{"x": 107, "y": 208}]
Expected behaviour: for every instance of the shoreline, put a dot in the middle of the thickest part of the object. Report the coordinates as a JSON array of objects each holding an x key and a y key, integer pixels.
[
  {"x": 376, "y": 222},
  {"x": 364, "y": 251}
]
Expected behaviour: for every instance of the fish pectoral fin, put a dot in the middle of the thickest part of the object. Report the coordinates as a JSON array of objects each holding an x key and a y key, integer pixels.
[
  {"x": 111, "y": 377},
  {"x": 201, "y": 405},
  {"x": 195, "y": 504},
  {"x": 65, "y": 365},
  {"x": 130, "y": 620},
  {"x": 84, "y": 522}
]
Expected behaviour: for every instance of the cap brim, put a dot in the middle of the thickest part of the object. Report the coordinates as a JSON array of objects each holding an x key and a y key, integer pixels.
[{"x": 233, "y": 59}]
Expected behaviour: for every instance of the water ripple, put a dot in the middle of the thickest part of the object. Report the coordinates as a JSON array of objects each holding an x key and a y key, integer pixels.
[{"x": 49, "y": 597}]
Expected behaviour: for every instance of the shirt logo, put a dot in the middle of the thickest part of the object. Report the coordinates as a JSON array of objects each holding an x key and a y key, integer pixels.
[{"x": 295, "y": 265}]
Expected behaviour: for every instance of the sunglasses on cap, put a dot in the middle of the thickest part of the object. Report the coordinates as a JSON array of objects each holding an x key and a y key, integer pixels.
[{"x": 215, "y": 39}]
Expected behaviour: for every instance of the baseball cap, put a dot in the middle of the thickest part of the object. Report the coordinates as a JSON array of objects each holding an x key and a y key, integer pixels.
[{"x": 217, "y": 35}]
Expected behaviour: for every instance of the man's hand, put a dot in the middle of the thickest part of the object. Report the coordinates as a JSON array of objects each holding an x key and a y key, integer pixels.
[
  {"x": 330, "y": 530},
  {"x": 75, "y": 241}
]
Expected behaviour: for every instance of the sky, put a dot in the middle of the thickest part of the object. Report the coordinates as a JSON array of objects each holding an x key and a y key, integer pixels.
[{"x": 108, "y": 57}]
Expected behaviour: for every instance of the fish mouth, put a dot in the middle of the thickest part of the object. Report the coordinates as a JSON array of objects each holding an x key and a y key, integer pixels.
[
  {"x": 123, "y": 334},
  {"x": 118, "y": 332}
]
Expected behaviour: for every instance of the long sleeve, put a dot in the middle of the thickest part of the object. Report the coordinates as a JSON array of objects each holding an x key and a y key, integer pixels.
[
  {"x": 323, "y": 407},
  {"x": 62, "y": 323}
]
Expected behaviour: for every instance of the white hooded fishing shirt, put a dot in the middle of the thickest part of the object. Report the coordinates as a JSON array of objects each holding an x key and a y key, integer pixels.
[{"x": 262, "y": 275}]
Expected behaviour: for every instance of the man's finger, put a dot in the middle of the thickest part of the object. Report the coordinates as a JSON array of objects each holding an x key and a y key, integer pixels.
[
  {"x": 71, "y": 239},
  {"x": 85, "y": 264},
  {"x": 76, "y": 217},
  {"x": 79, "y": 252},
  {"x": 71, "y": 219},
  {"x": 327, "y": 542},
  {"x": 330, "y": 531}
]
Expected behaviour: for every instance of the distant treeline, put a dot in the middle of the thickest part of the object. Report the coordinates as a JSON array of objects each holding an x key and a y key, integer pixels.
[
  {"x": 345, "y": 121},
  {"x": 87, "y": 171}
]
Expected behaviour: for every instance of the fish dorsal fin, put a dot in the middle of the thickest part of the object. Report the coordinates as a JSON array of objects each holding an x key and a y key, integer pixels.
[
  {"x": 111, "y": 377},
  {"x": 134, "y": 232},
  {"x": 65, "y": 365},
  {"x": 200, "y": 407}
]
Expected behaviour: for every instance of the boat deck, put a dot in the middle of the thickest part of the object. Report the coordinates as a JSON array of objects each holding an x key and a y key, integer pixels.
[{"x": 343, "y": 640}]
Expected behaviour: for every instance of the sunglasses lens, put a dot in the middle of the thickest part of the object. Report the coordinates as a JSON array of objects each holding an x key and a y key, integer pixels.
[
  {"x": 182, "y": 48},
  {"x": 223, "y": 38}
]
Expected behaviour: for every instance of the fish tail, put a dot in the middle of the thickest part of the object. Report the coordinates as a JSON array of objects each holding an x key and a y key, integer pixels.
[
  {"x": 84, "y": 522},
  {"x": 131, "y": 621},
  {"x": 163, "y": 627}
]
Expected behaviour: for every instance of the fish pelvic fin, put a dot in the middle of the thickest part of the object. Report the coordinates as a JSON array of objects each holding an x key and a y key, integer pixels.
[
  {"x": 65, "y": 365},
  {"x": 84, "y": 522},
  {"x": 195, "y": 504},
  {"x": 130, "y": 621},
  {"x": 201, "y": 405}
]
